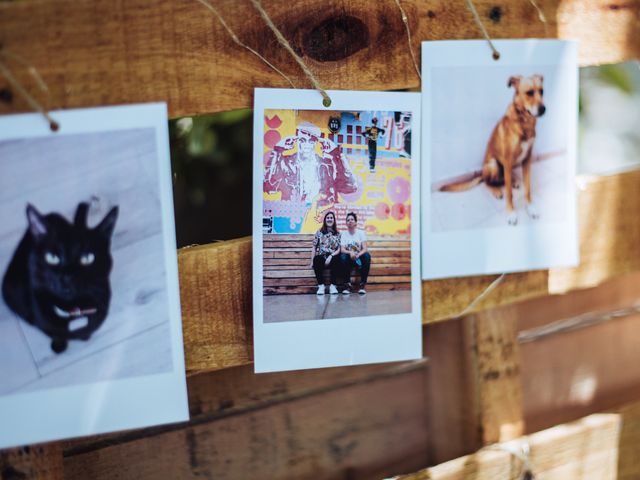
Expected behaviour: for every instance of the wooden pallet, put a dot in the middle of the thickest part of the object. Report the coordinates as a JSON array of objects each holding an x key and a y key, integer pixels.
[{"x": 360, "y": 422}]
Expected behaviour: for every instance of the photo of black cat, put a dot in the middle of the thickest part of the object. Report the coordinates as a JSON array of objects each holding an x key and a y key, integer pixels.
[{"x": 58, "y": 277}]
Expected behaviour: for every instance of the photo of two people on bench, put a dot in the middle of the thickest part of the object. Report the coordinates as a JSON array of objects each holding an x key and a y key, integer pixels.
[{"x": 341, "y": 252}]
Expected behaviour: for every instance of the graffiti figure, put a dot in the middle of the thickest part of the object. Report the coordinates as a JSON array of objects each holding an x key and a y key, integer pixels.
[
  {"x": 371, "y": 133},
  {"x": 403, "y": 125},
  {"x": 306, "y": 176}
]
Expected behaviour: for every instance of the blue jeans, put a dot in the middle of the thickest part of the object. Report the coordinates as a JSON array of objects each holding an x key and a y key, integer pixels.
[{"x": 348, "y": 264}]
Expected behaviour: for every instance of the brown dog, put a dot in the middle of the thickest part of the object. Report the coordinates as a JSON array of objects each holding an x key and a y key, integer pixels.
[{"x": 510, "y": 146}]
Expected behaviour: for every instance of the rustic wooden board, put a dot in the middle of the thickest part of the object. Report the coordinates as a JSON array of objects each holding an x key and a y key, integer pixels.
[
  {"x": 494, "y": 374},
  {"x": 216, "y": 283},
  {"x": 583, "y": 450},
  {"x": 586, "y": 362},
  {"x": 40, "y": 462},
  {"x": 105, "y": 53},
  {"x": 357, "y": 431}
]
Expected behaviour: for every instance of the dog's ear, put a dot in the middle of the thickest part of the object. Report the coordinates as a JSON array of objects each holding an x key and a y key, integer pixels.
[
  {"x": 539, "y": 77},
  {"x": 514, "y": 81}
]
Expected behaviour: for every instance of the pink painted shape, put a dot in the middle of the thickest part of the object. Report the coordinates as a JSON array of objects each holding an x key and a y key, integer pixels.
[
  {"x": 399, "y": 190},
  {"x": 271, "y": 138},
  {"x": 398, "y": 211},
  {"x": 382, "y": 211},
  {"x": 273, "y": 122}
]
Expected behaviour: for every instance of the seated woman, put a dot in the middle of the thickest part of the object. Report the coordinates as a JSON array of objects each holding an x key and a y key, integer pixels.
[
  {"x": 353, "y": 251},
  {"x": 326, "y": 247}
]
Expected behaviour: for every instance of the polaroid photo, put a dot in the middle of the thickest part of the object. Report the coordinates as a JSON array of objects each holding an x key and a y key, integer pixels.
[
  {"x": 90, "y": 328},
  {"x": 336, "y": 229},
  {"x": 499, "y": 143}
]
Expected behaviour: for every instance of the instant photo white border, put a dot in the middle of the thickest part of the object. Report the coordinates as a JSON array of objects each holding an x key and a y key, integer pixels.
[
  {"x": 303, "y": 344},
  {"x": 494, "y": 250},
  {"x": 105, "y": 406}
]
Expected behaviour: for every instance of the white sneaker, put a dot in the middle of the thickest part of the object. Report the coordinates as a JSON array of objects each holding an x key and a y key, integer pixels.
[
  {"x": 362, "y": 291},
  {"x": 332, "y": 289},
  {"x": 346, "y": 291},
  {"x": 320, "y": 290}
]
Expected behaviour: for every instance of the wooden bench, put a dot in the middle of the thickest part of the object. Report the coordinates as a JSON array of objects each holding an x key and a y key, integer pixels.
[{"x": 286, "y": 260}]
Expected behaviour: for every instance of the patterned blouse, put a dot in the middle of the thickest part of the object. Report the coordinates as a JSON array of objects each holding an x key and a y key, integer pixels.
[{"x": 326, "y": 243}]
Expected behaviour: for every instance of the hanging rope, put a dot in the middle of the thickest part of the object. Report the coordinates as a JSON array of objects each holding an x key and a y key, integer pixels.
[
  {"x": 235, "y": 38},
  {"x": 476, "y": 17},
  {"x": 287, "y": 46},
  {"x": 17, "y": 86},
  {"x": 405, "y": 20},
  {"x": 481, "y": 297}
]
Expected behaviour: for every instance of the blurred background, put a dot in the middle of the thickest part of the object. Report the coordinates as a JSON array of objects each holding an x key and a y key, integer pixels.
[{"x": 211, "y": 154}]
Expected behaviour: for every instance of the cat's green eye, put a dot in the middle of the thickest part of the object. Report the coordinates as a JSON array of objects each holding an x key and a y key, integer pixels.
[
  {"x": 51, "y": 258},
  {"x": 87, "y": 259}
]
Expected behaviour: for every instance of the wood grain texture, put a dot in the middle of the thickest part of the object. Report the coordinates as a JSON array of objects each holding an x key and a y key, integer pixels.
[
  {"x": 355, "y": 431},
  {"x": 609, "y": 232},
  {"x": 286, "y": 262},
  {"x": 570, "y": 374},
  {"x": 216, "y": 283},
  {"x": 583, "y": 450},
  {"x": 94, "y": 53},
  {"x": 491, "y": 347},
  {"x": 215, "y": 295},
  {"x": 37, "y": 462}
]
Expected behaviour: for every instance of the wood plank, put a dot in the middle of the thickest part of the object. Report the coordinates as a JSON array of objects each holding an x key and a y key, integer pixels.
[
  {"x": 216, "y": 294},
  {"x": 36, "y": 462},
  {"x": 492, "y": 348},
  {"x": 574, "y": 372},
  {"x": 151, "y": 50},
  {"x": 324, "y": 436},
  {"x": 215, "y": 297},
  {"x": 586, "y": 449},
  {"x": 306, "y": 244},
  {"x": 293, "y": 263},
  {"x": 376, "y": 271},
  {"x": 310, "y": 290},
  {"x": 453, "y": 417},
  {"x": 310, "y": 280},
  {"x": 609, "y": 242}
]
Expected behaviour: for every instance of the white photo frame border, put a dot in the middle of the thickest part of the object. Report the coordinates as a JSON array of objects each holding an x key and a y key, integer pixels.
[
  {"x": 308, "y": 344},
  {"x": 112, "y": 405},
  {"x": 467, "y": 252}
]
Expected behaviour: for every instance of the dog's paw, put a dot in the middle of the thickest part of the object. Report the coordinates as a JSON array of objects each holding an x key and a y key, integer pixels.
[
  {"x": 512, "y": 218},
  {"x": 532, "y": 211}
]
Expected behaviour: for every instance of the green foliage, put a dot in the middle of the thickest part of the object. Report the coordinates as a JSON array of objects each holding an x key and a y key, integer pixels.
[{"x": 617, "y": 76}]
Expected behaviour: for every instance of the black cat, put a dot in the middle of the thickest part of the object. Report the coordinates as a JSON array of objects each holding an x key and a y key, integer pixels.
[{"x": 58, "y": 278}]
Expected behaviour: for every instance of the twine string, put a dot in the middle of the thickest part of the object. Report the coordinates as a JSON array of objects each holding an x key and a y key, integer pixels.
[
  {"x": 492, "y": 286},
  {"x": 33, "y": 71},
  {"x": 405, "y": 20},
  {"x": 287, "y": 46},
  {"x": 238, "y": 42},
  {"x": 523, "y": 454},
  {"x": 476, "y": 17},
  {"x": 13, "y": 81},
  {"x": 541, "y": 16}
]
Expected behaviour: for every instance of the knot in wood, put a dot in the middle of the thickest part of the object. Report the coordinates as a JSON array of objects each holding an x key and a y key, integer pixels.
[
  {"x": 336, "y": 38},
  {"x": 495, "y": 14}
]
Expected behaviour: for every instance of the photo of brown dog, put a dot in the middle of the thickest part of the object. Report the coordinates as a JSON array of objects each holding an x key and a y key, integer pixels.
[
  {"x": 510, "y": 125},
  {"x": 510, "y": 146}
]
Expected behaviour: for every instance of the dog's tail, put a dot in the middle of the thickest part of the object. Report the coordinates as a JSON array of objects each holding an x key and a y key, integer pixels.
[{"x": 462, "y": 186}]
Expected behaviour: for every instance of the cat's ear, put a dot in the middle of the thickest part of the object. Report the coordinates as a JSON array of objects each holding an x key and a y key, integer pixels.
[
  {"x": 36, "y": 222},
  {"x": 80, "y": 219},
  {"x": 108, "y": 223}
]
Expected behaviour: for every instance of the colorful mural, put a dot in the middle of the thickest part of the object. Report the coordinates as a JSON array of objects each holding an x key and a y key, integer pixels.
[{"x": 316, "y": 161}]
